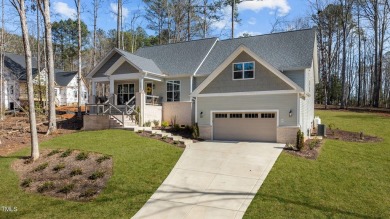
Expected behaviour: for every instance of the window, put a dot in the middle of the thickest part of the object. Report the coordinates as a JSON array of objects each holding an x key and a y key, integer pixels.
[
  {"x": 221, "y": 115},
  {"x": 173, "y": 91},
  {"x": 11, "y": 89},
  {"x": 125, "y": 93},
  {"x": 251, "y": 115},
  {"x": 235, "y": 115},
  {"x": 267, "y": 115},
  {"x": 243, "y": 70},
  {"x": 75, "y": 93}
]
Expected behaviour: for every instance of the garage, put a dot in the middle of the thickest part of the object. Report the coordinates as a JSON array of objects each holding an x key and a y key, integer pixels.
[{"x": 245, "y": 126}]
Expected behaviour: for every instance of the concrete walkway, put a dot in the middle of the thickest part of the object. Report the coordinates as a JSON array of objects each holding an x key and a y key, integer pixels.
[{"x": 212, "y": 180}]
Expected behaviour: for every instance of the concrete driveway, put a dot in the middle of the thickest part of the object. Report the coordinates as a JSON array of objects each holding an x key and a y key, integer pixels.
[{"x": 212, "y": 180}]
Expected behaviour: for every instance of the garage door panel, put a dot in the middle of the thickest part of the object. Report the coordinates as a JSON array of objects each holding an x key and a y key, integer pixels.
[{"x": 245, "y": 129}]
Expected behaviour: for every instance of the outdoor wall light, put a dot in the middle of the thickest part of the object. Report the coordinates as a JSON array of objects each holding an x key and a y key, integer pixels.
[
  {"x": 290, "y": 113},
  {"x": 201, "y": 114}
]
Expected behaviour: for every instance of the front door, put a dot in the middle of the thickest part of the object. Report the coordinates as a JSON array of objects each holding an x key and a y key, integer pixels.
[
  {"x": 125, "y": 93},
  {"x": 149, "y": 91}
]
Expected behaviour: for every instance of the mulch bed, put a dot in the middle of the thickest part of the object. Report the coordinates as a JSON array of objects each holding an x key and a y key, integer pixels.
[
  {"x": 342, "y": 135},
  {"x": 157, "y": 137},
  {"x": 60, "y": 183},
  {"x": 306, "y": 151}
]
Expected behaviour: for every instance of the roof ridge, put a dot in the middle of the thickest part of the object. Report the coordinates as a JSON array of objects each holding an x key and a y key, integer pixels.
[{"x": 268, "y": 34}]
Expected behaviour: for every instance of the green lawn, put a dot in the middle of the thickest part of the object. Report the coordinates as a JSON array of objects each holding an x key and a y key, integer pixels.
[
  {"x": 140, "y": 166},
  {"x": 348, "y": 180}
]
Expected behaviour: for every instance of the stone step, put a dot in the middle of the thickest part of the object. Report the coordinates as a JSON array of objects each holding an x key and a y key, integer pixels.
[
  {"x": 186, "y": 142},
  {"x": 175, "y": 138}
]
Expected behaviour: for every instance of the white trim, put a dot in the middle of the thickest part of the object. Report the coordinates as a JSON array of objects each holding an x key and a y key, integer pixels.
[
  {"x": 243, "y": 71},
  {"x": 241, "y": 111},
  {"x": 191, "y": 83},
  {"x": 249, "y": 93},
  {"x": 196, "y": 110},
  {"x": 204, "y": 59},
  {"x": 298, "y": 110},
  {"x": 126, "y": 76},
  {"x": 100, "y": 79},
  {"x": 231, "y": 58},
  {"x": 153, "y": 78}
]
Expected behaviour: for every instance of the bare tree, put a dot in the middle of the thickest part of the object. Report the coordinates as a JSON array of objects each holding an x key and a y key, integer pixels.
[
  {"x": 20, "y": 7},
  {"x": 96, "y": 5},
  {"x": 2, "y": 108},
  {"x": 119, "y": 25},
  {"x": 77, "y": 2},
  {"x": 44, "y": 7}
]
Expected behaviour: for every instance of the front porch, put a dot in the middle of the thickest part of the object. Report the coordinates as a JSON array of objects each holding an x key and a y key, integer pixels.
[{"x": 127, "y": 101}]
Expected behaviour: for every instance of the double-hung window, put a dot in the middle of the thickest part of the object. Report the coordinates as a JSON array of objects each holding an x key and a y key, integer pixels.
[
  {"x": 173, "y": 91},
  {"x": 243, "y": 70}
]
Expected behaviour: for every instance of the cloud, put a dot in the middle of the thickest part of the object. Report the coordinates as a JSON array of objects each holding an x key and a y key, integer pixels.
[
  {"x": 252, "y": 21},
  {"x": 281, "y": 6},
  {"x": 114, "y": 9},
  {"x": 250, "y": 33},
  {"x": 64, "y": 10}
]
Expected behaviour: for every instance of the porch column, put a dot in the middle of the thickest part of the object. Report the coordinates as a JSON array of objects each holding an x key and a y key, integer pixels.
[
  {"x": 141, "y": 84},
  {"x": 112, "y": 91}
]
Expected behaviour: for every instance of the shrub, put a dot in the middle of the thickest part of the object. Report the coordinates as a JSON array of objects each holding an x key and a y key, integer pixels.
[
  {"x": 148, "y": 124},
  {"x": 41, "y": 167},
  {"x": 103, "y": 158},
  {"x": 140, "y": 131},
  {"x": 176, "y": 142},
  {"x": 26, "y": 182},
  {"x": 138, "y": 115},
  {"x": 152, "y": 135},
  {"x": 156, "y": 122},
  {"x": 163, "y": 137},
  {"x": 164, "y": 124},
  {"x": 56, "y": 151},
  {"x": 88, "y": 193},
  {"x": 75, "y": 172},
  {"x": 195, "y": 131},
  {"x": 82, "y": 156},
  {"x": 96, "y": 175},
  {"x": 300, "y": 140},
  {"x": 59, "y": 167},
  {"x": 66, "y": 189},
  {"x": 176, "y": 127},
  {"x": 45, "y": 187},
  {"x": 66, "y": 153}
]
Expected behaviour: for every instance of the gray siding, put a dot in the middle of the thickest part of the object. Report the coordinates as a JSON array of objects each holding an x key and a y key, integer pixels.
[
  {"x": 264, "y": 79},
  {"x": 297, "y": 76},
  {"x": 106, "y": 66},
  {"x": 281, "y": 102},
  {"x": 197, "y": 81},
  {"x": 125, "y": 68}
]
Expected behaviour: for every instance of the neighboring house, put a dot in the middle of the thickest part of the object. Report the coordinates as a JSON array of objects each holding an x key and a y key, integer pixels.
[
  {"x": 66, "y": 89},
  {"x": 258, "y": 88},
  {"x": 15, "y": 80}
]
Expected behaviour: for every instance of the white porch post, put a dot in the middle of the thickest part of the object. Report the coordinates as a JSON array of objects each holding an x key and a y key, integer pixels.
[
  {"x": 141, "y": 100},
  {"x": 112, "y": 90},
  {"x": 141, "y": 84}
]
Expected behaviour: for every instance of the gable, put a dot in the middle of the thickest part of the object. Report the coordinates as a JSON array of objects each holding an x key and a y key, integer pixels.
[
  {"x": 100, "y": 72},
  {"x": 125, "y": 68},
  {"x": 264, "y": 80}
]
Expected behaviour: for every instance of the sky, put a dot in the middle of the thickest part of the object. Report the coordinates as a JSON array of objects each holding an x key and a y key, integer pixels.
[{"x": 256, "y": 15}]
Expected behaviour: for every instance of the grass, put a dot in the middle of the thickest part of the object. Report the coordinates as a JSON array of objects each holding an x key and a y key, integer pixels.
[
  {"x": 348, "y": 180},
  {"x": 140, "y": 166}
]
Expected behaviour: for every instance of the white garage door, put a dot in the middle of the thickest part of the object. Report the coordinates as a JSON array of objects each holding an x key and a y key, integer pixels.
[{"x": 248, "y": 126}]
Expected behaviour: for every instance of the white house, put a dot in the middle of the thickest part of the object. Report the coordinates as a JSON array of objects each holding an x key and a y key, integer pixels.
[{"x": 66, "y": 88}]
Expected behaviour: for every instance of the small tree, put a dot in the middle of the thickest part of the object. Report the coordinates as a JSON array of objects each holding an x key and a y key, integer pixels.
[{"x": 300, "y": 140}]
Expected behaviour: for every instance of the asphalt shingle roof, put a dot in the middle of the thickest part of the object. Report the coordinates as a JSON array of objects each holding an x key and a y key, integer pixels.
[
  {"x": 17, "y": 65},
  {"x": 141, "y": 62},
  {"x": 178, "y": 58},
  {"x": 285, "y": 51},
  {"x": 63, "y": 78}
]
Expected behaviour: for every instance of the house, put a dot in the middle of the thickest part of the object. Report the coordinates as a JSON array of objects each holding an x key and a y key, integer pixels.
[
  {"x": 15, "y": 84},
  {"x": 15, "y": 80},
  {"x": 258, "y": 88},
  {"x": 66, "y": 88}
]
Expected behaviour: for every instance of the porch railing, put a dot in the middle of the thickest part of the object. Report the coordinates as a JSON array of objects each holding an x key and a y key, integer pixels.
[{"x": 152, "y": 100}]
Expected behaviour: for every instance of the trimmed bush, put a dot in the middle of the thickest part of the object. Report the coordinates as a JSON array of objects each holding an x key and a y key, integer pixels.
[
  {"x": 82, "y": 156},
  {"x": 148, "y": 124},
  {"x": 103, "y": 158},
  {"x": 66, "y": 189},
  {"x": 45, "y": 187},
  {"x": 300, "y": 140},
  {"x": 59, "y": 167},
  {"x": 53, "y": 152},
  {"x": 195, "y": 131},
  {"x": 164, "y": 124},
  {"x": 96, "y": 175},
  {"x": 156, "y": 122},
  {"x": 66, "y": 153},
  {"x": 76, "y": 172},
  {"x": 41, "y": 167}
]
